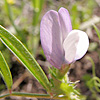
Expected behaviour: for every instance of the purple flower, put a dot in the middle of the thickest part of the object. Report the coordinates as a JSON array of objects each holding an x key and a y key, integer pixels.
[{"x": 60, "y": 43}]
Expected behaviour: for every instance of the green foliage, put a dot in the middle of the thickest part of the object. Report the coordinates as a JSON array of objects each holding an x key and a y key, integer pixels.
[
  {"x": 81, "y": 11},
  {"x": 37, "y": 5},
  {"x": 5, "y": 72},
  {"x": 86, "y": 77},
  {"x": 61, "y": 84},
  {"x": 92, "y": 83},
  {"x": 24, "y": 56},
  {"x": 75, "y": 19},
  {"x": 93, "y": 46},
  {"x": 10, "y": 15},
  {"x": 97, "y": 31}
]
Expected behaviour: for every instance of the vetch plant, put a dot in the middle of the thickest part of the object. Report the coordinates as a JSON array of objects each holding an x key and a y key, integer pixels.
[{"x": 62, "y": 46}]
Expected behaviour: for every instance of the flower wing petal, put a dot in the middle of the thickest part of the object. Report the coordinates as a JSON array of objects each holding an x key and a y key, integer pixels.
[
  {"x": 82, "y": 45},
  {"x": 65, "y": 22},
  {"x": 51, "y": 38},
  {"x": 75, "y": 45}
]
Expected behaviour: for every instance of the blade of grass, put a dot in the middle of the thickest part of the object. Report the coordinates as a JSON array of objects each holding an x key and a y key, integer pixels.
[
  {"x": 24, "y": 56},
  {"x": 9, "y": 13},
  {"x": 10, "y": 16},
  {"x": 5, "y": 72},
  {"x": 37, "y": 5},
  {"x": 93, "y": 66},
  {"x": 97, "y": 31}
]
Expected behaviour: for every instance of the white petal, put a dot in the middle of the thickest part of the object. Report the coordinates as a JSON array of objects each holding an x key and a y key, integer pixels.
[
  {"x": 75, "y": 45},
  {"x": 82, "y": 45}
]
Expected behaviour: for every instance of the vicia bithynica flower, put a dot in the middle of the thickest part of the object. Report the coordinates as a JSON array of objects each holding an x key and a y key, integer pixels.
[{"x": 60, "y": 43}]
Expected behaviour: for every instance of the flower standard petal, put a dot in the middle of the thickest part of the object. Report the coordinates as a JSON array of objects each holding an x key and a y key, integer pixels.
[
  {"x": 51, "y": 38},
  {"x": 65, "y": 22},
  {"x": 75, "y": 45}
]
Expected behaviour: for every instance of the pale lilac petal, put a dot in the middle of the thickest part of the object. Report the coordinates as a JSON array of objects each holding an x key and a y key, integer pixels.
[
  {"x": 75, "y": 45},
  {"x": 65, "y": 22},
  {"x": 51, "y": 38}
]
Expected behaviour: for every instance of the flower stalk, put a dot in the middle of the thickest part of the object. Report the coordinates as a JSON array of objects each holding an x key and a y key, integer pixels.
[{"x": 63, "y": 71}]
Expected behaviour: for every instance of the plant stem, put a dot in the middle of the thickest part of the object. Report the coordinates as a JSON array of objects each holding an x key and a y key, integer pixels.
[
  {"x": 31, "y": 95},
  {"x": 63, "y": 71},
  {"x": 93, "y": 66}
]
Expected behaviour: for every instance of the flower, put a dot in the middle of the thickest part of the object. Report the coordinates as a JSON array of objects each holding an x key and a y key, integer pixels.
[{"x": 61, "y": 44}]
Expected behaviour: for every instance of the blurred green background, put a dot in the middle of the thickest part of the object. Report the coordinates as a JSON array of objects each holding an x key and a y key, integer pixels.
[{"x": 22, "y": 18}]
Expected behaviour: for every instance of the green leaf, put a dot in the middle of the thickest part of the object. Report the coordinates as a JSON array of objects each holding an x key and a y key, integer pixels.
[
  {"x": 5, "y": 72},
  {"x": 24, "y": 56},
  {"x": 97, "y": 31}
]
